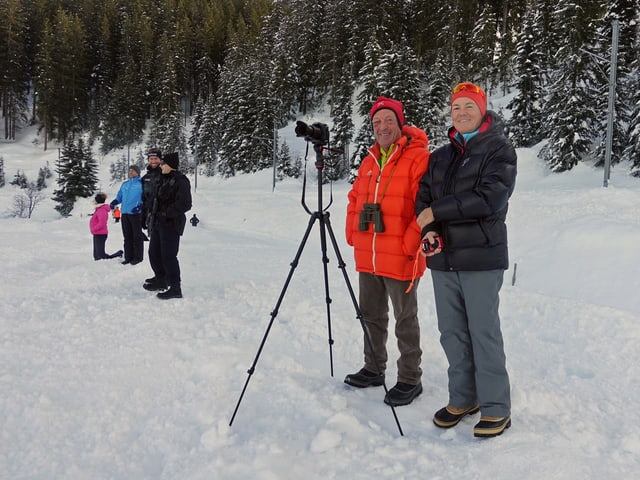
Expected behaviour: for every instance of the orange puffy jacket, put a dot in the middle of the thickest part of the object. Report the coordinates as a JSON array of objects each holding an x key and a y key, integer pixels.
[{"x": 391, "y": 253}]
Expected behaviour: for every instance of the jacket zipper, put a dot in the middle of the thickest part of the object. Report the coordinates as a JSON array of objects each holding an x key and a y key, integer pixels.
[{"x": 375, "y": 200}]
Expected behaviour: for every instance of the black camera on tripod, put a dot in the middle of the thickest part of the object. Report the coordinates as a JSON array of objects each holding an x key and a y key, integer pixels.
[
  {"x": 317, "y": 133},
  {"x": 371, "y": 213}
]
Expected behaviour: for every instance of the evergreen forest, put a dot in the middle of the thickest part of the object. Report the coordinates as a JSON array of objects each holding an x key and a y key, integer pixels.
[{"x": 120, "y": 72}]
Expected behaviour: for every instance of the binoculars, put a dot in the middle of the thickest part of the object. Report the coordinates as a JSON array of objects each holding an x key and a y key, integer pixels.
[{"x": 371, "y": 213}]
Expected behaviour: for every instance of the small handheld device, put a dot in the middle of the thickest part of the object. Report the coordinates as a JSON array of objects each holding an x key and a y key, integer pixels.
[{"x": 431, "y": 247}]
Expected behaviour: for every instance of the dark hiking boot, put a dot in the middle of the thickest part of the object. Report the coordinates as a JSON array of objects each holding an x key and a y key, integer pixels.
[
  {"x": 402, "y": 394},
  {"x": 364, "y": 378},
  {"x": 154, "y": 284},
  {"x": 489, "y": 427},
  {"x": 450, "y": 416},
  {"x": 173, "y": 292}
]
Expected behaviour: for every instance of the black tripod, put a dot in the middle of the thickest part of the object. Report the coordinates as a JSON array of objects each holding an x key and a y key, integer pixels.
[{"x": 321, "y": 215}]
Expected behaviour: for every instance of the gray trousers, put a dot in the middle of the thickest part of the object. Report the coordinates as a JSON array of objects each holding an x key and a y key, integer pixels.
[
  {"x": 469, "y": 324},
  {"x": 374, "y": 294}
]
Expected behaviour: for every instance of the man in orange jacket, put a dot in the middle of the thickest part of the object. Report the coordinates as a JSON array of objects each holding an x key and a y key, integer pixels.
[{"x": 382, "y": 228}]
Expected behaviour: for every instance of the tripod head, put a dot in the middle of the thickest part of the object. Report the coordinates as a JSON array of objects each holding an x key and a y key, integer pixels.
[{"x": 317, "y": 134}]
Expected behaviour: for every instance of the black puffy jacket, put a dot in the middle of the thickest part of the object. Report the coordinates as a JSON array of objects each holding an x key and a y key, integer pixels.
[
  {"x": 468, "y": 189},
  {"x": 172, "y": 201}
]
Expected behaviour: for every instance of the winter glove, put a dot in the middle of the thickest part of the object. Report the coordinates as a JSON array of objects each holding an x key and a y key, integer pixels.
[
  {"x": 136, "y": 210},
  {"x": 113, "y": 204}
]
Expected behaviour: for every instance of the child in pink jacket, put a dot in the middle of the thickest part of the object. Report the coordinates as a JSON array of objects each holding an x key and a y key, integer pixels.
[{"x": 99, "y": 229}]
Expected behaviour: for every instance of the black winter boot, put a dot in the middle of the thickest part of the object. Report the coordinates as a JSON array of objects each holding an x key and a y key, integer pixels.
[
  {"x": 173, "y": 292},
  {"x": 402, "y": 394},
  {"x": 363, "y": 378},
  {"x": 154, "y": 284}
]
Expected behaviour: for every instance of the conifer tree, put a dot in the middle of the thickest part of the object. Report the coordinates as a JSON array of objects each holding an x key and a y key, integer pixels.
[
  {"x": 2, "y": 177},
  {"x": 125, "y": 118},
  {"x": 526, "y": 106},
  {"x": 568, "y": 110},
  {"x": 434, "y": 109},
  {"x": 632, "y": 150},
  {"x": 19, "y": 180},
  {"x": 13, "y": 65},
  {"x": 342, "y": 115},
  {"x": 482, "y": 68},
  {"x": 285, "y": 167},
  {"x": 244, "y": 110},
  {"x": 77, "y": 176},
  {"x": 167, "y": 132},
  {"x": 204, "y": 139},
  {"x": 62, "y": 77}
]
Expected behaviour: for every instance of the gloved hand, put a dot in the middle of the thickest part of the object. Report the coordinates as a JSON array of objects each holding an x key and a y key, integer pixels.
[
  {"x": 136, "y": 210},
  {"x": 113, "y": 204}
]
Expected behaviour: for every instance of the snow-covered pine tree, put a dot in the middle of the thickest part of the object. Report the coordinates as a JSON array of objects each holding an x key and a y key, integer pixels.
[
  {"x": 343, "y": 128},
  {"x": 167, "y": 132},
  {"x": 244, "y": 111},
  {"x": 569, "y": 113},
  {"x": 434, "y": 107},
  {"x": 483, "y": 44},
  {"x": 14, "y": 65},
  {"x": 525, "y": 124},
  {"x": 77, "y": 175},
  {"x": 19, "y": 180},
  {"x": 632, "y": 151},
  {"x": 125, "y": 118}
]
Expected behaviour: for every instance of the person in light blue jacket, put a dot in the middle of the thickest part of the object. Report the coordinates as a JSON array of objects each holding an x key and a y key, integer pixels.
[{"x": 129, "y": 198}]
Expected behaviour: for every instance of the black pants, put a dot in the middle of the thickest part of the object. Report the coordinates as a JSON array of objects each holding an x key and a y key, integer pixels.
[
  {"x": 99, "y": 242},
  {"x": 133, "y": 238},
  {"x": 99, "y": 253},
  {"x": 163, "y": 254}
]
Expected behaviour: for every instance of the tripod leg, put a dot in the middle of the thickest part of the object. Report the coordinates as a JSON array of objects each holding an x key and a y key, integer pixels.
[
  {"x": 325, "y": 261},
  {"x": 274, "y": 313},
  {"x": 342, "y": 266}
]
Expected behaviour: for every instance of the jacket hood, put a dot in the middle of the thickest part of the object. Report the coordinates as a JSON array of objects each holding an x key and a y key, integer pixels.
[
  {"x": 412, "y": 137},
  {"x": 491, "y": 123}
]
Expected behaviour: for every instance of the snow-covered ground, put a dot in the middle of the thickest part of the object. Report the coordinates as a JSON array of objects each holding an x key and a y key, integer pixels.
[{"x": 101, "y": 380}]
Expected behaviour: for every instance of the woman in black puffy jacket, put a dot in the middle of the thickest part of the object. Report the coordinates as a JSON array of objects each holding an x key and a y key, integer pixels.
[{"x": 461, "y": 207}]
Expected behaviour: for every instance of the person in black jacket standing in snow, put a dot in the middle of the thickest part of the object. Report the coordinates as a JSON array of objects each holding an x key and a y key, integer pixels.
[
  {"x": 166, "y": 224},
  {"x": 461, "y": 207},
  {"x": 150, "y": 182}
]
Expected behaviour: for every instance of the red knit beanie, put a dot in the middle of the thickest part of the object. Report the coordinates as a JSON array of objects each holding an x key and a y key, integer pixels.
[
  {"x": 389, "y": 103},
  {"x": 473, "y": 92}
]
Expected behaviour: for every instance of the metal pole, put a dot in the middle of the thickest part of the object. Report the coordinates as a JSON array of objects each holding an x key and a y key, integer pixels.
[
  {"x": 275, "y": 154},
  {"x": 612, "y": 97}
]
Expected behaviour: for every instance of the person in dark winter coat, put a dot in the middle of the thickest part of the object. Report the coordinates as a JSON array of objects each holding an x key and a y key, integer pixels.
[
  {"x": 129, "y": 198},
  {"x": 461, "y": 207},
  {"x": 150, "y": 182},
  {"x": 98, "y": 226},
  {"x": 166, "y": 225},
  {"x": 194, "y": 221}
]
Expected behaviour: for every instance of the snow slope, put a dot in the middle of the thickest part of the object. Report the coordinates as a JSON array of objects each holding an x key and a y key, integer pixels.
[{"x": 101, "y": 380}]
